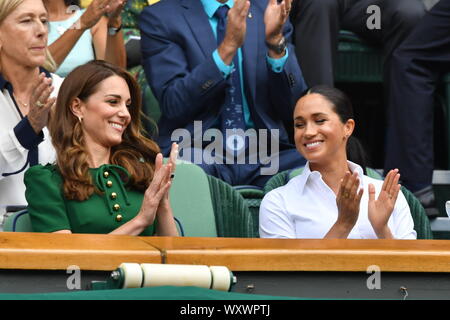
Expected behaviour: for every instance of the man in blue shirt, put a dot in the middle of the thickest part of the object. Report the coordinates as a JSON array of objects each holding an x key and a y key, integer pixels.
[
  {"x": 219, "y": 69},
  {"x": 227, "y": 81}
]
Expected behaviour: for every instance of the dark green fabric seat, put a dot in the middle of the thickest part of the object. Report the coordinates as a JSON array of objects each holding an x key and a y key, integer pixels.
[
  {"x": 421, "y": 222},
  {"x": 252, "y": 196},
  {"x": 233, "y": 218}
]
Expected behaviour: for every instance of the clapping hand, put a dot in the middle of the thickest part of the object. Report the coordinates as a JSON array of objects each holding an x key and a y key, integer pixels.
[
  {"x": 348, "y": 200},
  {"x": 275, "y": 17},
  {"x": 41, "y": 103},
  {"x": 156, "y": 191},
  {"x": 237, "y": 23},
  {"x": 173, "y": 163},
  {"x": 115, "y": 8},
  {"x": 380, "y": 209},
  {"x": 94, "y": 12}
]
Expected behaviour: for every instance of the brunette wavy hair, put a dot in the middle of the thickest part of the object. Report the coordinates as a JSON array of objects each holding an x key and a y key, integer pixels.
[{"x": 135, "y": 153}]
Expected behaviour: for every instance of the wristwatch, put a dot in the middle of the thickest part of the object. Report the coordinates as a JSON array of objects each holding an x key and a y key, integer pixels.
[
  {"x": 113, "y": 31},
  {"x": 279, "y": 47}
]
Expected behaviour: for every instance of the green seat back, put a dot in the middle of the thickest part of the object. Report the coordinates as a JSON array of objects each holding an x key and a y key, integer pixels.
[
  {"x": 252, "y": 196},
  {"x": 357, "y": 60},
  {"x": 421, "y": 222},
  {"x": 190, "y": 198},
  {"x": 233, "y": 218},
  {"x": 18, "y": 222}
]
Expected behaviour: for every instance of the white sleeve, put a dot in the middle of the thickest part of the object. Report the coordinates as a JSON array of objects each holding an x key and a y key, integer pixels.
[
  {"x": 274, "y": 220},
  {"x": 16, "y": 142},
  {"x": 13, "y": 156},
  {"x": 402, "y": 218}
]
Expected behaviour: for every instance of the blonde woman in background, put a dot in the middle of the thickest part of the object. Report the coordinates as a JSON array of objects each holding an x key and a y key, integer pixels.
[{"x": 27, "y": 95}]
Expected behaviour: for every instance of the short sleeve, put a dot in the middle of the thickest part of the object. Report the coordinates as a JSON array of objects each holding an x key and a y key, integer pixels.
[
  {"x": 274, "y": 220},
  {"x": 46, "y": 204}
]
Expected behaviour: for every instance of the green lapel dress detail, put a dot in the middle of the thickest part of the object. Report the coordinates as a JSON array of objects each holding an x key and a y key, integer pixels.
[{"x": 103, "y": 212}]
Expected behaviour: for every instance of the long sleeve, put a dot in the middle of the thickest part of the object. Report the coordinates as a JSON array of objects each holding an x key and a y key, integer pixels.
[
  {"x": 14, "y": 146},
  {"x": 182, "y": 92},
  {"x": 286, "y": 86}
]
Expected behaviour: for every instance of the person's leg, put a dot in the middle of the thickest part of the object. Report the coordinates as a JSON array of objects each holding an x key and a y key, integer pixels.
[
  {"x": 210, "y": 165},
  {"x": 398, "y": 18},
  {"x": 415, "y": 69},
  {"x": 316, "y": 27}
]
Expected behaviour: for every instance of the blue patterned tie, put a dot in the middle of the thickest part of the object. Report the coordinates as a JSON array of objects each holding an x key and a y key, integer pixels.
[{"x": 232, "y": 114}]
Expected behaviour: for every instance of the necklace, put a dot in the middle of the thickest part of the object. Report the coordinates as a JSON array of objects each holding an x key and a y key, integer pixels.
[{"x": 20, "y": 102}]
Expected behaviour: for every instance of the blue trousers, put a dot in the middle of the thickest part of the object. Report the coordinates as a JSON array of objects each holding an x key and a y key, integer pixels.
[
  {"x": 417, "y": 66},
  {"x": 250, "y": 173}
]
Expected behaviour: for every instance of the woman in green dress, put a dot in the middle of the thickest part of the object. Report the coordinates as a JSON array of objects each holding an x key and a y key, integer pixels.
[{"x": 108, "y": 177}]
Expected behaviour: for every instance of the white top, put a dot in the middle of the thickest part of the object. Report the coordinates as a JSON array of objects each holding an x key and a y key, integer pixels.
[
  {"x": 13, "y": 155},
  {"x": 306, "y": 208}
]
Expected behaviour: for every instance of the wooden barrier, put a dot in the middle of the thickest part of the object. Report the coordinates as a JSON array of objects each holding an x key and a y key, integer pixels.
[
  {"x": 307, "y": 255},
  {"x": 105, "y": 252},
  {"x": 38, "y": 251},
  {"x": 33, "y": 262}
]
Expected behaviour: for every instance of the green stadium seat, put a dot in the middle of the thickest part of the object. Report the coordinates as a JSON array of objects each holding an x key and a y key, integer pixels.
[
  {"x": 18, "y": 222},
  {"x": 421, "y": 222},
  {"x": 252, "y": 196},
  {"x": 357, "y": 60}
]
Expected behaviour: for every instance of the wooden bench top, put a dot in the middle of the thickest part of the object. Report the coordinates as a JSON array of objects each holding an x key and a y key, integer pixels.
[
  {"x": 106, "y": 252},
  {"x": 307, "y": 255},
  {"x": 39, "y": 251}
]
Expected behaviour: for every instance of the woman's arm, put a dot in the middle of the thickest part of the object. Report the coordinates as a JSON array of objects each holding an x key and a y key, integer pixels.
[
  {"x": 110, "y": 47},
  {"x": 64, "y": 44},
  {"x": 165, "y": 222}
]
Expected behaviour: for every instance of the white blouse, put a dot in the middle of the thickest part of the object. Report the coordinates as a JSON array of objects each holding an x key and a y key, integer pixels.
[
  {"x": 13, "y": 155},
  {"x": 306, "y": 208}
]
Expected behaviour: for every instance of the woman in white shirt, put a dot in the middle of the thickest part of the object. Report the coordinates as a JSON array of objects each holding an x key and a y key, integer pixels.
[
  {"x": 333, "y": 198},
  {"x": 27, "y": 93}
]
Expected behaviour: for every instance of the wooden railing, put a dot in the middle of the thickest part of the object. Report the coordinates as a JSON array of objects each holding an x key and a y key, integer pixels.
[{"x": 34, "y": 251}]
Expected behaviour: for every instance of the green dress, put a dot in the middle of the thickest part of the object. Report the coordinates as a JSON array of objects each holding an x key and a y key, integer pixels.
[{"x": 102, "y": 213}]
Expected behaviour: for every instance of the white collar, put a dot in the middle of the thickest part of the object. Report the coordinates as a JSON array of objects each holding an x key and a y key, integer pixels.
[{"x": 307, "y": 174}]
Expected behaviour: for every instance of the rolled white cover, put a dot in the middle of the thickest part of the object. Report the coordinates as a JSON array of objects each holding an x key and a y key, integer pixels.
[
  {"x": 176, "y": 275},
  {"x": 221, "y": 278},
  {"x": 132, "y": 275}
]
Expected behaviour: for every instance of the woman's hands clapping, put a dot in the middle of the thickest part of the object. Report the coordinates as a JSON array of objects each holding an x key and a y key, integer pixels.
[
  {"x": 155, "y": 192},
  {"x": 380, "y": 209},
  {"x": 348, "y": 200},
  {"x": 40, "y": 103},
  {"x": 156, "y": 197},
  {"x": 99, "y": 8}
]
